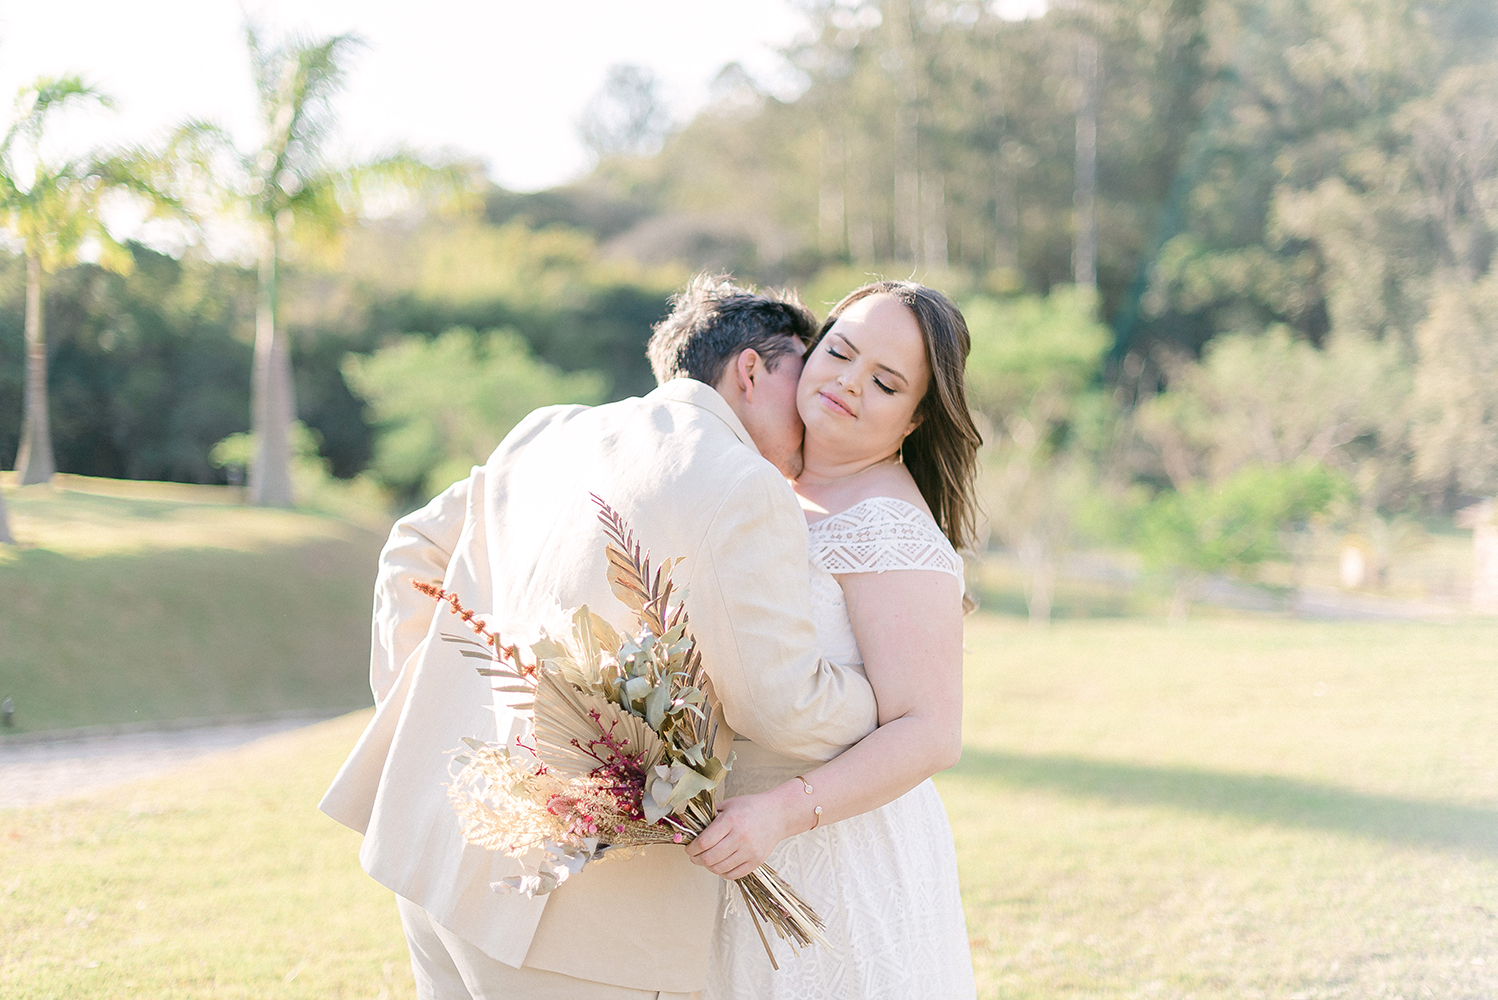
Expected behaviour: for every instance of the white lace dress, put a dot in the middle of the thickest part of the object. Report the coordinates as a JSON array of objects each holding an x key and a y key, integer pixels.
[{"x": 885, "y": 881}]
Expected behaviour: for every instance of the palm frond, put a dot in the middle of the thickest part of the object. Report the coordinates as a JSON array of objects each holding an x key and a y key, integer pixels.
[
  {"x": 571, "y": 724},
  {"x": 629, "y": 572},
  {"x": 39, "y": 101},
  {"x": 450, "y": 185}
]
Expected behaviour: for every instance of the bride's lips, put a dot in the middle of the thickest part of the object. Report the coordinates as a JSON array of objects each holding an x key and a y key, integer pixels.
[{"x": 833, "y": 404}]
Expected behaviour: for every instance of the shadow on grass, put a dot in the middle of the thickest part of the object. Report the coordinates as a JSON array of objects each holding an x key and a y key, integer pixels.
[
  {"x": 1263, "y": 798},
  {"x": 66, "y": 505}
]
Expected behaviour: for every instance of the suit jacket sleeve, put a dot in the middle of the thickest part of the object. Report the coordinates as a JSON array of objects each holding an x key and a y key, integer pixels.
[
  {"x": 419, "y": 548},
  {"x": 749, "y": 613}
]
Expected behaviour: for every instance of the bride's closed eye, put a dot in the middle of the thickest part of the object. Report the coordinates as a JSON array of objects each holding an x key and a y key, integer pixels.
[{"x": 888, "y": 391}]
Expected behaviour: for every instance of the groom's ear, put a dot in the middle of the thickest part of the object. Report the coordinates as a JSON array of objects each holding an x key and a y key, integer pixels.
[{"x": 747, "y": 367}]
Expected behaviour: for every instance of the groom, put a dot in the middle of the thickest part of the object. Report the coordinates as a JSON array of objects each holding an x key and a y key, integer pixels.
[{"x": 697, "y": 469}]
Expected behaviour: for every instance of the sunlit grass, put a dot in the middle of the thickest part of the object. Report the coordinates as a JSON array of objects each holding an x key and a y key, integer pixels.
[
  {"x": 1225, "y": 809},
  {"x": 1230, "y": 809},
  {"x": 220, "y": 880}
]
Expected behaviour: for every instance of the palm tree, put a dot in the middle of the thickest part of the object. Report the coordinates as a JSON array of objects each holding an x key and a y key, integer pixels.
[
  {"x": 292, "y": 188},
  {"x": 52, "y": 209}
]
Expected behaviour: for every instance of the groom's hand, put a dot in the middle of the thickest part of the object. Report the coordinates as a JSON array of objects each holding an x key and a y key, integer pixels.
[{"x": 744, "y": 833}]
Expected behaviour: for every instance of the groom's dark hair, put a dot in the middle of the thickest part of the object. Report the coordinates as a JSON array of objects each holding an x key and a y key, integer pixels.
[{"x": 712, "y": 321}]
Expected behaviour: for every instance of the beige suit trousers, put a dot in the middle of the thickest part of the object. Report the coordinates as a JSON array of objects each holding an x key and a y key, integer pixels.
[{"x": 448, "y": 968}]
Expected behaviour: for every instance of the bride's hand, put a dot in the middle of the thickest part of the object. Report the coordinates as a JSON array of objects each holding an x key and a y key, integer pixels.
[{"x": 746, "y": 829}]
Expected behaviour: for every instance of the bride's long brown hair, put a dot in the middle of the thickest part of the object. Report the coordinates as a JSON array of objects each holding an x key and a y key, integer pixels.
[{"x": 942, "y": 452}]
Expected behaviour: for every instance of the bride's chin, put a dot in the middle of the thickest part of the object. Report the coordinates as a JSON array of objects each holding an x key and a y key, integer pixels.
[{"x": 836, "y": 449}]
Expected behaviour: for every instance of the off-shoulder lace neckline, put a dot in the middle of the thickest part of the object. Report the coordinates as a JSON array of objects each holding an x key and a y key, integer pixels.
[
  {"x": 878, "y": 534},
  {"x": 904, "y": 506}
]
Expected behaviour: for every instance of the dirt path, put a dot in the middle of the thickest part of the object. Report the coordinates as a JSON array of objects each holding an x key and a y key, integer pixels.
[{"x": 35, "y": 773}]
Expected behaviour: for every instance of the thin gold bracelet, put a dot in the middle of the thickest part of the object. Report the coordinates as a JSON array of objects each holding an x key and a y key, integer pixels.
[{"x": 806, "y": 787}]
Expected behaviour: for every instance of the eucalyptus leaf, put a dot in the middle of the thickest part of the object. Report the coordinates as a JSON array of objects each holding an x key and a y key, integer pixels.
[
  {"x": 636, "y": 688},
  {"x": 656, "y": 702},
  {"x": 690, "y": 784},
  {"x": 653, "y": 812}
]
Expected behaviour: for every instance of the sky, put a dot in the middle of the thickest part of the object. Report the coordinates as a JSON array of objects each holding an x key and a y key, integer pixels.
[{"x": 501, "y": 80}]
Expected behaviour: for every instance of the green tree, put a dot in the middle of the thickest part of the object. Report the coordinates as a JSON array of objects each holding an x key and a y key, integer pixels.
[
  {"x": 1231, "y": 526},
  {"x": 1030, "y": 373},
  {"x": 1272, "y": 399},
  {"x": 1456, "y": 389},
  {"x": 53, "y": 210},
  {"x": 443, "y": 405},
  {"x": 292, "y": 192}
]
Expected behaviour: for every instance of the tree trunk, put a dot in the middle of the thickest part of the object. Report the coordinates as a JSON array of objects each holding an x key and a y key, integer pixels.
[
  {"x": 934, "y": 221},
  {"x": 1040, "y": 578},
  {"x": 6, "y": 538},
  {"x": 1005, "y": 218},
  {"x": 862, "y": 248},
  {"x": 832, "y": 209},
  {"x": 272, "y": 403},
  {"x": 1180, "y": 601},
  {"x": 34, "y": 462},
  {"x": 1084, "y": 201},
  {"x": 907, "y": 121},
  {"x": 1485, "y": 566}
]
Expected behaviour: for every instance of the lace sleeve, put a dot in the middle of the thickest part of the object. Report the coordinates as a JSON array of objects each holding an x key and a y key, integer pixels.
[{"x": 879, "y": 534}]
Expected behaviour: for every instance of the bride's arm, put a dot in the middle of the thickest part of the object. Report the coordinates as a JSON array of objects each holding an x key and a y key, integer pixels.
[{"x": 909, "y": 628}]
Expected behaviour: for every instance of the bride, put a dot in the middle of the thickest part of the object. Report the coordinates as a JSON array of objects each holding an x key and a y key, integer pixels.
[{"x": 890, "y": 457}]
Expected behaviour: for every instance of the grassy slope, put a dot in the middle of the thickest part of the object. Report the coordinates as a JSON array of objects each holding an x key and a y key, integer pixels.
[
  {"x": 1224, "y": 809},
  {"x": 138, "y": 602}
]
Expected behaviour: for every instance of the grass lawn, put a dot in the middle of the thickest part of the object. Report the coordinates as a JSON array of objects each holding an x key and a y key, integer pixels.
[
  {"x": 1230, "y": 808},
  {"x": 1224, "y": 809},
  {"x": 221, "y": 880},
  {"x": 129, "y": 602}
]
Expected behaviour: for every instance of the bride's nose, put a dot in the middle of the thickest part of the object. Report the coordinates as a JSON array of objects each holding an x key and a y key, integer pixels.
[{"x": 844, "y": 384}]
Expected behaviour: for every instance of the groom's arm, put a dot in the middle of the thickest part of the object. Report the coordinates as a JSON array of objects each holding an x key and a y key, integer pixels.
[
  {"x": 748, "y": 606},
  {"x": 419, "y": 548}
]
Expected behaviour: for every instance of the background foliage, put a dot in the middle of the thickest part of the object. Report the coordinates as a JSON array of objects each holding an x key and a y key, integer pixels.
[{"x": 1296, "y": 215}]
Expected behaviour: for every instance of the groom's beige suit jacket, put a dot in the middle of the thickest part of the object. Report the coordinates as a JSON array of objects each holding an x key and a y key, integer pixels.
[{"x": 516, "y": 540}]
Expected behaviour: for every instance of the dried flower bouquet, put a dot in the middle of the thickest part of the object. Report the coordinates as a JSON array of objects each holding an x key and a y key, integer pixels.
[{"x": 621, "y": 757}]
